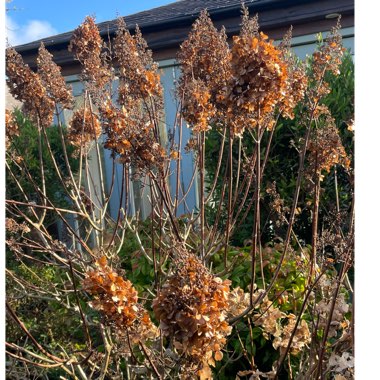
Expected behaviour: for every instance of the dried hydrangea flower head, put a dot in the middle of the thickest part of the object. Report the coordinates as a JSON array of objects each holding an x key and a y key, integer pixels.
[
  {"x": 52, "y": 79},
  {"x": 197, "y": 108},
  {"x": 26, "y": 86},
  {"x": 84, "y": 127},
  {"x": 87, "y": 46},
  {"x": 328, "y": 57},
  {"x": 132, "y": 137},
  {"x": 11, "y": 127},
  {"x": 325, "y": 147},
  {"x": 205, "y": 65},
  {"x": 117, "y": 300},
  {"x": 137, "y": 71},
  {"x": 132, "y": 126},
  {"x": 192, "y": 308},
  {"x": 259, "y": 78},
  {"x": 300, "y": 339},
  {"x": 296, "y": 82},
  {"x": 269, "y": 318}
]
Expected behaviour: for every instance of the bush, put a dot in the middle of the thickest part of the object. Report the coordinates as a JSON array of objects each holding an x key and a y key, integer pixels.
[{"x": 252, "y": 284}]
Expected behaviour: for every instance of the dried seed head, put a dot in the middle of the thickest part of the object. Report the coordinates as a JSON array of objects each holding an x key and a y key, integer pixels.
[
  {"x": 117, "y": 300},
  {"x": 11, "y": 127},
  {"x": 87, "y": 46},
  {"x": 192, "y": 308},
  {"x": 52, "y": 79},
  {"x": 26, "y": 86},
  {"x": 205, "y": 66},
  {"x": 84, "y": 127}
]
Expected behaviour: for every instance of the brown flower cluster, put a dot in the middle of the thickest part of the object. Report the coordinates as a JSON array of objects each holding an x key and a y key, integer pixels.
[
  {"x": 326, "y": 289},
  {"x": 13, "y": 227},
  {"x": 11, "y": 127},
  {"x": 276, "y": 204},
  {"x": 296, "y": 82},
  {"x": 329, "y": 56},
  {"x": 84, "y": 127},
  {"x": 270, "y": 320},
  {"x": 26, "y": 86},
  {"x": 205, "y": 65},
  {"x": 325, "y": 147},
  {"x": 197, "y": 107},
  {"x": 138, "y": 74},
  {"x": 132, "y": 128},
  {"x": 52, "y": 79},
  {"x": 243, "y": 86},
  {"x": 132, "y": 137},
  {"x": 300, "y": 339},
  {"x": 117, "y": 299},
  {"x": 238, "y": 301},
  {"x": 259, "y": 79},
  {"x": 87, "y": 46},
  {"x": 192, "y": 308}
]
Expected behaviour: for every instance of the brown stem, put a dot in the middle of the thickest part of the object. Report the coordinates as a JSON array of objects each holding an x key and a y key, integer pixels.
[
  {"x": 229, "y": 204},
  {"x": 256, "y": 223},
  {"x": 202, "y": 192},
  {"x": 313, "y": 253},
  {"x": 150, "y": 360}
]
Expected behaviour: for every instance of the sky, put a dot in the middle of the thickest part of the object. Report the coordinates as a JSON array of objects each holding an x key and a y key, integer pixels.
[{"x": 30, "y": 20}]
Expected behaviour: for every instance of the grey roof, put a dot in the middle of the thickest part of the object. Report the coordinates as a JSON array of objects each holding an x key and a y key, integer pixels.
[
  {"x": 175, "y": 12},
  {"x": 167, "y": 26}
]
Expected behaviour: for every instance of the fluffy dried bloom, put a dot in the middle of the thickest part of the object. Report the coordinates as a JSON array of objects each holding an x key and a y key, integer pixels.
[
  {"x": 132, "y": 137},
  {"x": 276, "y": 204},
  {"x": 341, "y": 308},
  {"x": 339, "y": 364},
  {"x": 238, "y": 301},
  {"x": 13, "y": 227},
  {"x": 52, "y": 79},
  {"x": 84, "y": 127},
  {"x": 11, "y": 127},
  {"x": 117, "y": 299},
  {"x": 205, "y": 66},
  {"x": 26, "y": 86},
  {"x": 325, "y": 147},
  {"x": 296, "y": 82},
  {"x": 269, "y": 318},
  {"x": 197, "y": 107},
  {"x": 258, "y": 81},
  {"x": 132, "y": 129},
  {"x": 250, "y": 25},
  {"x": 329, "y": 55},
  {"x": 138, "y": 74},
  {"x": 87, "y": 44},
  {"x": 300, "y": 339},
  {"x": 192, "y": 308}
]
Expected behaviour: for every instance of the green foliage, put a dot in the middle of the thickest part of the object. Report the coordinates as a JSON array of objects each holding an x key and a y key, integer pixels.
[
  {"x": 53, "y": 321},
  {"x": 27, "y": 168},
  {"x": 138, "y": 269}
]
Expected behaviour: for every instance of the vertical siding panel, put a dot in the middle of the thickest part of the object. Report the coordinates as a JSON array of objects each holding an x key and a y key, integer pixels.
[{"x": 169, "y": 74}]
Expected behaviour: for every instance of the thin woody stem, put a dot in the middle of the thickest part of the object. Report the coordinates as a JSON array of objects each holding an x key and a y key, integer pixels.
[
  {"x": 229, "y": 204},
  {"x": 256, "y": 223}
]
